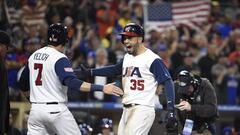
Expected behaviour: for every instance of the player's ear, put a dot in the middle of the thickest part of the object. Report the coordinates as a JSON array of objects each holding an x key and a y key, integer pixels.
[{"x": 140, "y": 39}]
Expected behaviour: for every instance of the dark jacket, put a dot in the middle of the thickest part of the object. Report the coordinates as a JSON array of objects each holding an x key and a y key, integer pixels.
[
  {"x": 203, "y": 105},
  {"x": 4, "y": 97}
]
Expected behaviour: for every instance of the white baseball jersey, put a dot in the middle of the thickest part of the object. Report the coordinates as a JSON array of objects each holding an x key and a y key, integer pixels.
[
  {"x": 139, "y": 83},
  {"x": 44, "y": 83}
]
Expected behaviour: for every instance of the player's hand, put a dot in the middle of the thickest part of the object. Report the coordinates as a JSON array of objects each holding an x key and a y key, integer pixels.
[
  {"x": 82, "y": 71},
  {"x": 184, "y": 105},
  {"x": 112, "y": 90},
  {"x": 172, "y": 124}
]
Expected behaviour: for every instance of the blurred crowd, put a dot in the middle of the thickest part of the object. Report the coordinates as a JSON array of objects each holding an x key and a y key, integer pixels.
[{"x": 213, "y": 51}]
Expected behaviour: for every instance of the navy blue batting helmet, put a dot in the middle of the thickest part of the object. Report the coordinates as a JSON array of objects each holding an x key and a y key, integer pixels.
[
  {"x": 132, "y": 30},
  {"x": 106, "y": 123},
  {"x": 57, "y": 34},
  {"x": 85, "y": 128}
]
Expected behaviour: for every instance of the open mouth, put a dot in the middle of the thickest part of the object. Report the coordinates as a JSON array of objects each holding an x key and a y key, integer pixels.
[{"x": 129, "y": 47}]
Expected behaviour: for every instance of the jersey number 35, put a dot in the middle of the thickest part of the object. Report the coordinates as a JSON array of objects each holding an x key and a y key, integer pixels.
[{"x": 137, "y": 84}]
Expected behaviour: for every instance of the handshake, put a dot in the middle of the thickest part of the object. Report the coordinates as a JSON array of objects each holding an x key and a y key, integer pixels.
[{"x": 82, "y": 73}]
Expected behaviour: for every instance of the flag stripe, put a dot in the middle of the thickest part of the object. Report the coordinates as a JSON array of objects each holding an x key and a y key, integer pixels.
[
  {"x": 192, "y": 9},
  {"x": 188, "y": 13},
  {"x": 192, "y": 15},
  {"x": 190, "y": 3}
]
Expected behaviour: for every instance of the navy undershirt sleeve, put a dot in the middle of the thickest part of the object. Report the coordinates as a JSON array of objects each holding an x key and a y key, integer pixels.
[
  {"x": 66, "y": 75},
  {"x": 64, "y": 69},
  {"x": 110, "y": 71},
  {"x": 160, "y": 71},
  {"x": 170, "y": 94},
  {"x": 73, "y": 83},
  {"x": 23, "y": 82},
  {"x": 162, "y": 76}
]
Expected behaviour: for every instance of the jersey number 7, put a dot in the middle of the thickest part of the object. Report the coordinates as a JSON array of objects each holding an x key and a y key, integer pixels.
[{"x": 38, "y": 66}]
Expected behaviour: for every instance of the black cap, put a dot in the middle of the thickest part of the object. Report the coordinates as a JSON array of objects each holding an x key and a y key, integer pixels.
[
  {"x": 5, "y": 39},
  {"x": 185, "y": 79}
]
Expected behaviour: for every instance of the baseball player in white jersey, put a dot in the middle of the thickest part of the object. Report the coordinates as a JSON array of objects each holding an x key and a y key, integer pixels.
[
  {"x": 48, "y": 73},
  {"x": 142, "y": 71}
]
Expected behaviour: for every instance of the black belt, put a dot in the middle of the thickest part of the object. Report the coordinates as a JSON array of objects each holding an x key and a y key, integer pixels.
[
  {"x": 47, "y": 103},
  {"x": 129, "y": 105}
]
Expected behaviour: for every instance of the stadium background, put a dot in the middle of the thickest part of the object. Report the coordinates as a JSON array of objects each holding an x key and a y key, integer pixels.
[{"x": 210, "y": 48}]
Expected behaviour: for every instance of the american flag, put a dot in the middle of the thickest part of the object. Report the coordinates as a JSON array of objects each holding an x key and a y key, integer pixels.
[
  {"x": 12, "y": 11},
  {"x": 190, "y": 13},
  {"x": 68, "y": 69}
]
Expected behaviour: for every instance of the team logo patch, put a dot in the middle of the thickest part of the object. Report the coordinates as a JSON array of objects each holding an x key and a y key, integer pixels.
[
  {"x": 127, "y": 29},
  {"x": 182, "y": 84},
  {"x": 53, "y": 38},
  {"x": 68, "y": 69}
]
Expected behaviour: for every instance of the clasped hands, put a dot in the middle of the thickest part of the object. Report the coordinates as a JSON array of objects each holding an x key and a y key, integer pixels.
[
  {"x": 184, "y": 105},
  {"x": 110, "y": 88}
]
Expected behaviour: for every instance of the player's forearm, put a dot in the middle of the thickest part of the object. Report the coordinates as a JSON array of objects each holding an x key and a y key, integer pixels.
[
  {"x": 106, "y": 71},
  {"x": 170, "y": 94},
  {"x": 87, "y": 87},
  {"x": 75, "y": 84}
]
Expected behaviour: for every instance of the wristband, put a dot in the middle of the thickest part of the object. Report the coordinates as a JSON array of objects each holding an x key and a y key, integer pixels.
[{"x": 95, "y": 87}]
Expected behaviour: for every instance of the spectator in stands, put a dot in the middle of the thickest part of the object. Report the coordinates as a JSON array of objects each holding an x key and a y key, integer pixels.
[
  {"x": 12, "y": 130},
  {"x": 32, "y": 42},
  {"x": 227, "y": 131},
  {"x": 177, "y": 58},
  {"x": 68, "y": 21},
  {"x": 33, "y": 14},
  {"x": 101, "y": 61},
  {"x": 5, "y": 42},
  {"x": 137, "y": 12},
  {"x": 125, "y": 19},
  {"x": 229, "y": 82},
  {"x": 106, "y": 18},
  {"x": 13, "y": 65},
  {"x": 163, "y": 52},
  {"x": 234, "y": 56},
  {"x": 216, "y": 71},
  {"x": 24, "y": 123},
  {"x": 189, "y": 63},
  {"x": 205, "y": 63},
  {"x": 106, "y": 126}
]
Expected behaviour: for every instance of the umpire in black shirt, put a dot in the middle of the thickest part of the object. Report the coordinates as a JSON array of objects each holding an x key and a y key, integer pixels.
[
  {"x": 196, "y": 100},
  {"x": 4, "y": 91}
]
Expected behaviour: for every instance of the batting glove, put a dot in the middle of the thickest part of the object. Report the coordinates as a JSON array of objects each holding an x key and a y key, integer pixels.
[
  {"x": 172, "y": 124},
  {"x": 82, "y": 71}
]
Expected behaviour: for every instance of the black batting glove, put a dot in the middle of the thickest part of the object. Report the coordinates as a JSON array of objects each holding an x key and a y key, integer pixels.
[
  {"x": 82, "y": 72},
  {"x": 172, "y": 123}
]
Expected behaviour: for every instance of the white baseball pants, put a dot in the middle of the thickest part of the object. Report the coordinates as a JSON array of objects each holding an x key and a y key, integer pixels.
[
  {"x": 136, "y": 120},
  {"x": 51, "y": 119}
]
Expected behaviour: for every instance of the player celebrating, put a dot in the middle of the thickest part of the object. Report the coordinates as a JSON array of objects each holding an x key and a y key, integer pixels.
[
  {"x": 142, "y": 71},
  {"x": 49, "y": 74}
]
